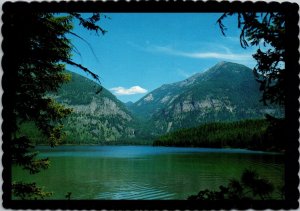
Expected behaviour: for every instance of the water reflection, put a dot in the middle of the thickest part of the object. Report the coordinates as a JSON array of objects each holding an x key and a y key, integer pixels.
[{"x": 146, "y": 172}]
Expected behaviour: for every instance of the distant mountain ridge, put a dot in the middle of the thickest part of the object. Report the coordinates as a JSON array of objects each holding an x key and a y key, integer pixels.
[{"x": 226, "y": 92}]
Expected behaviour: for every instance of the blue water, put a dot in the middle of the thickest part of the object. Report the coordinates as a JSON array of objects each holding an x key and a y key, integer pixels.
[
  {"x": 132, "y": 151},
  {"x": 146, "y": 172}
]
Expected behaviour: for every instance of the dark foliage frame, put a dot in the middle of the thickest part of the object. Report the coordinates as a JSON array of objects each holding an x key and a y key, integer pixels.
[{"x": 292, "y": 105}]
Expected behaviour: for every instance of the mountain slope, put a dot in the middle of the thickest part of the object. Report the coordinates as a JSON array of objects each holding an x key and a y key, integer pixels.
[
  {"x": 225, "y": 92},
  {"x": 97, "y": 117}
]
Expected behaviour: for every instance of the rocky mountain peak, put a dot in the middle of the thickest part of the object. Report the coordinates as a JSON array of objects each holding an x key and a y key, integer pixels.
[{"x": 226, "y": 91}]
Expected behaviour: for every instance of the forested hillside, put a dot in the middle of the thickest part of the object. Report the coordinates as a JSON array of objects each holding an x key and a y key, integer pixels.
[
  {"x": 97, "y": 117},
  {"x": 251, "y": 134}
]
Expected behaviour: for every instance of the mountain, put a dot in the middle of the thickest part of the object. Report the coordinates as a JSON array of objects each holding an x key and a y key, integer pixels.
[
  {"x": 129, "y": 104},
  {"x": 97, "y": 117},
  {"x": 226, "y": 92}
]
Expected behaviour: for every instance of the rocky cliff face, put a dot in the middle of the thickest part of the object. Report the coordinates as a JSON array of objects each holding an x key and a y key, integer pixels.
[
  {"x": 225, "y": 92},
  {"x": 97, "y": 117}
]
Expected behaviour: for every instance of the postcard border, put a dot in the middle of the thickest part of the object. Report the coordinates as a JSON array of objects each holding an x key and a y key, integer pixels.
[{"x": 292, "y": 105}]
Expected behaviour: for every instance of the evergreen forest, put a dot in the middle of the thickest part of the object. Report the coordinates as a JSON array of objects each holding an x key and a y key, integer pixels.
[{"x": 253, "y": 134}]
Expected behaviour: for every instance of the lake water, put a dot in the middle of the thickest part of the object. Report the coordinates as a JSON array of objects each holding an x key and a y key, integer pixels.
[{"x": 145, "y": 172}]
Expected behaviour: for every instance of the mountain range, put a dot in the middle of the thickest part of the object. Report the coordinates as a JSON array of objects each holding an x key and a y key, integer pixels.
[{"x": 225, "y": 92}]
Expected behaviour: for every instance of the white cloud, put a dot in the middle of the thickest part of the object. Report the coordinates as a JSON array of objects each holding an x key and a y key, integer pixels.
[
  {"x": 216, "y": 55},
  {"x": 204, "y": 55},
  {"x": 130, "y": 91}
]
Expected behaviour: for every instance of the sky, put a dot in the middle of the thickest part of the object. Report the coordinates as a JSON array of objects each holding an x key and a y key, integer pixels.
[{"x": 142, "y": 51}]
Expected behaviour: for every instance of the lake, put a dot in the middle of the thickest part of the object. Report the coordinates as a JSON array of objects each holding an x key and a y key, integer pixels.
[{"x": 146, "y": 172}]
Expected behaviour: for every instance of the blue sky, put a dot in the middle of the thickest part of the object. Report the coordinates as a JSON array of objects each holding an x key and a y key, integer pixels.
[{"x": 142, "y": 51}]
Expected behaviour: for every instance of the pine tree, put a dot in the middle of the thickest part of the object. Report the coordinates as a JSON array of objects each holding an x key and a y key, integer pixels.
[
  {"x": 267, "y": 30},
  {"x": 37, "y": 50}
]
